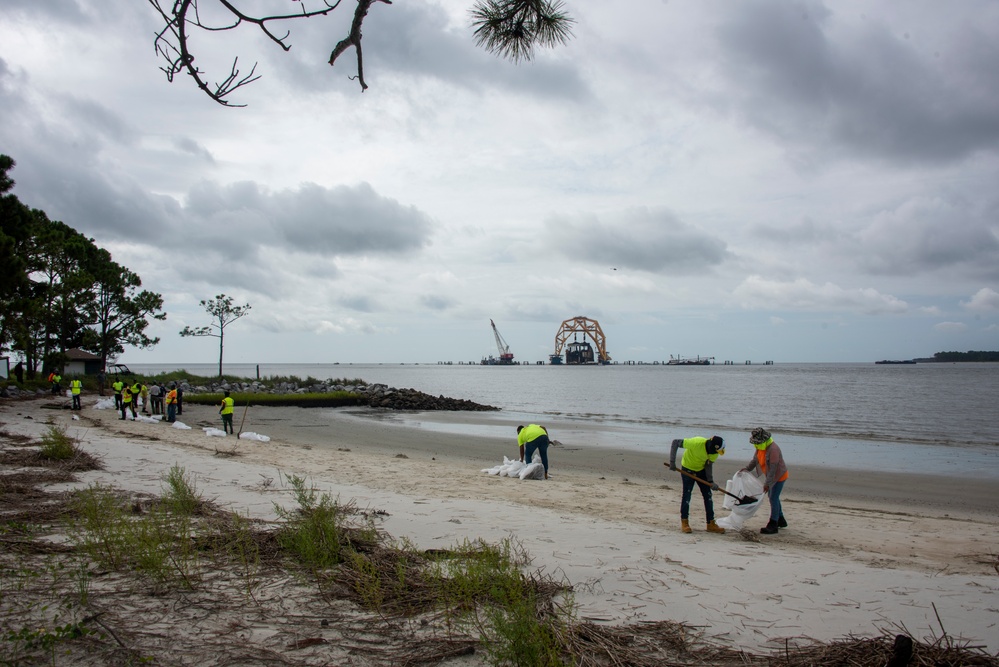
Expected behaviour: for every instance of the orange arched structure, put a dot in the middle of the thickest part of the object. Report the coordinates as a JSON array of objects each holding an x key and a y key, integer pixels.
[{"x": 587, "y": 327}]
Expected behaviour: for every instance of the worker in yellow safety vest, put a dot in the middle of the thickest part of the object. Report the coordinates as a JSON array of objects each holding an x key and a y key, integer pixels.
[
  {"x": 75, "y": 387},
  {"x": 117, "y": 386},
  {"x": 699, "y": 455},
  {"x": 127, "y": 401},
  {"x": 226, "y": 411},
  {"x": 171, "y": 403}
]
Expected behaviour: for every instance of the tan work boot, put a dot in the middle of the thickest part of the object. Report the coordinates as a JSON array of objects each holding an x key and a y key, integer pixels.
[
  {"x": 685, "y": 526},
  {"x": 715, "y": 528}
]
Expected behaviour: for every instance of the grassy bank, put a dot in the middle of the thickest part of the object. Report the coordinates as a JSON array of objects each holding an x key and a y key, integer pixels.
[{"x": 335, "y": 399}]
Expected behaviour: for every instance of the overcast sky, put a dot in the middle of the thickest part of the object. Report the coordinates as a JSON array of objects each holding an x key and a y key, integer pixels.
[{"x": 758, "y": 180}]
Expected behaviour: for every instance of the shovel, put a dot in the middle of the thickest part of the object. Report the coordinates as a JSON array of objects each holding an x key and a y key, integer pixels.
[{"x": 739, "y": 500}]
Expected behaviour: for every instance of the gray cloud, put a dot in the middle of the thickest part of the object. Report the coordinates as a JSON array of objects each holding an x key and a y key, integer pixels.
[
  {"x": 50, "y": 10},
  {"x": 362, "y": 304},
  {"x": 760, "y": 293},
  {"x": 648, "y": 240},
  {"x": 192, "y": 147},
  {"x": 436, "y": 302},
  {"x": 795, "y": 71},
  {"x": 312, "y": 219},
  {"x": 927, "y": 234},
  {"x": 804, "y": 231}
]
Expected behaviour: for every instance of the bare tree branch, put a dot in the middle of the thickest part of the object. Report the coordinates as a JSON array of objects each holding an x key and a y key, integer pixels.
[
  {"x": 354, "y": 38},
  {"x": 172, "y": 43},
  {"x": 509, "y": 28}
]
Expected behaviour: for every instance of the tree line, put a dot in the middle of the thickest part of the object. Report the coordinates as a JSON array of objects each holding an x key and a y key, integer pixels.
[
  {"x": 59, "y": 290},
  {"x": 970, "y": 355}
]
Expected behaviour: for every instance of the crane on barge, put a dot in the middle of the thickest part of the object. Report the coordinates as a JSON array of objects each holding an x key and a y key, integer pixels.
[{"x": 505, "y": 355}]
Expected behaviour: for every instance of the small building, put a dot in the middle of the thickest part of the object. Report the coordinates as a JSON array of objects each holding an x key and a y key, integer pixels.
[{"x": 81, "y": 362}]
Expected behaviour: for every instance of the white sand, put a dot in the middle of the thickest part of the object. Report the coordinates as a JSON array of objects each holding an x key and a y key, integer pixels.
[{"x": 842, "y": 568}]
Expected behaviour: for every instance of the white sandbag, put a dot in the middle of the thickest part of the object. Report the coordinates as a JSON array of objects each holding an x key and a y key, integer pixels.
[
  {"x": 181, "y": 425},
  {"x": 104, "y": 404},
  {"x": 512, "y": 469},
  {"x": 533, "y": 471},
  {"x": 250, "y": 435},
  {"x": 495, "y": 470},
  {"x": 213, "y": 432},
  {"x": 148, "y": 419},
  {"x": 743, "y": 484}
]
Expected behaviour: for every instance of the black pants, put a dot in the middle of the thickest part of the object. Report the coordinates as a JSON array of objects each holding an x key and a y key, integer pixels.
[{"x": 688, "y": 489}]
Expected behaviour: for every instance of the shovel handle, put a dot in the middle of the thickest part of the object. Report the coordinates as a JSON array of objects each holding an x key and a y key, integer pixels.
[{"x": 683, "y": 472}]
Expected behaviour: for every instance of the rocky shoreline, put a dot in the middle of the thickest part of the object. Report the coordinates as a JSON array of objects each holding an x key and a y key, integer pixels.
[{"x": 372, "y": 395}]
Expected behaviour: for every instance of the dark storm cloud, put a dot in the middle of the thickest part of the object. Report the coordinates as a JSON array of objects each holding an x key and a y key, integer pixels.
[
  {"x": 313, "y": 219},
  {"x": 61, "y": 168},
  {"x": 77, "y": 189},
  {"x": 797, "y": 71},
  {"x": 648, "y": 240}
]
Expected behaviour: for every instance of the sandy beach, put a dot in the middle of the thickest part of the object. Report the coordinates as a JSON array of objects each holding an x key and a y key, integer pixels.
[{"x": 863, "y": 551}]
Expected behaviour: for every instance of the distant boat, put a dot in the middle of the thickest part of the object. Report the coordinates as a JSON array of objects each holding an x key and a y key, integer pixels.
[
  {"x": 698, "y": 361},
  {"x": 895, "y": 361}
]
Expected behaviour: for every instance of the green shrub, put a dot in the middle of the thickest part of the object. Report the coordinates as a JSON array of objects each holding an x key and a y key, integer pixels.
[
  {"x": 181, "y": 495},
  {"x": 57, "y": 446},
  {"x": 483, "y": 588},
  {"x": 316, "y": 533},
  {"x": 101, "y": 525}
]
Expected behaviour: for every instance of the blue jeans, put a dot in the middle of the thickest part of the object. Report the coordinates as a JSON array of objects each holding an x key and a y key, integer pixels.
[
  {"x": 541, "y": 444},
  {"x": 774, "y": 495},
  {"x": 688, "y": 489},
  {"x": 171, "y": 413}
]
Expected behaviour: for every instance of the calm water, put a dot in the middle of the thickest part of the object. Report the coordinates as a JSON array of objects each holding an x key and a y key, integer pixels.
[{"x": 941, "y": 418}]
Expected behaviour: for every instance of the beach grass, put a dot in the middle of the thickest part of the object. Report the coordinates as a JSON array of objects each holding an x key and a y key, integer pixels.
[{"x": 180, "y": 542}]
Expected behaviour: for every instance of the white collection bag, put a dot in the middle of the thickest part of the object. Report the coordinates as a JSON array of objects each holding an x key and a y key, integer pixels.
[{"x": 742, "y": 484}]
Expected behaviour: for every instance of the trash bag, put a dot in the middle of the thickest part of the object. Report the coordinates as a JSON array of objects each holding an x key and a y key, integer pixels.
[{"x": 742, "y": 484}]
